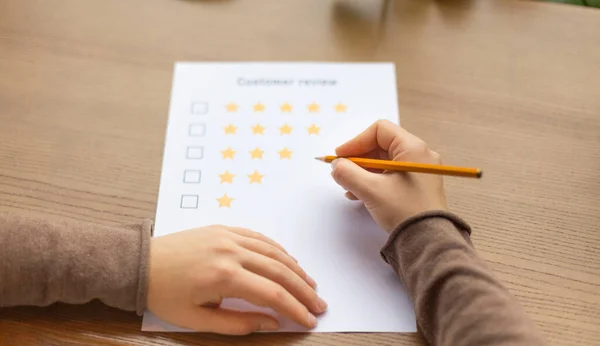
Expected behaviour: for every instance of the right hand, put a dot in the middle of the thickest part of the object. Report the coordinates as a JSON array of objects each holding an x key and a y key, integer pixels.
[
  {"x": 192, "y": 271},
  {"x": 390, "y": 197}
]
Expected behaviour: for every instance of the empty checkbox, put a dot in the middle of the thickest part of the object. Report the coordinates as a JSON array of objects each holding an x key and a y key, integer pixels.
[
  {"x": 197, "y": 130},
  {"x": 195, "y": 153},
  {"x": 191, "y": 177},
  {"x": 189, "y": 202},
  {"x": 199, "y": 108}
]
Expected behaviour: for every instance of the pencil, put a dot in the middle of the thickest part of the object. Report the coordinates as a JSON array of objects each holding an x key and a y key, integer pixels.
[{"x": 409, "y": 166}]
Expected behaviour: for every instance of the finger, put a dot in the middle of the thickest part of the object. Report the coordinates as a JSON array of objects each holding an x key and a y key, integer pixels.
[
  {"x": 270, "y": 251},
  {"x": 255, "y": 235},
  {"x": 355, "y": 179},
  {"x": 230, "y": 322},
  {"x": 287, "y": 278},
  {"x": 261, "y": 291},
  {"x": 350, "y": 196},
  {"x": 382, "y": 134}
]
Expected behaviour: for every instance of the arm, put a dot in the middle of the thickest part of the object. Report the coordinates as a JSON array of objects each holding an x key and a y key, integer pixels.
[
  {"x": 182, "y": 277},
  {"x": 46, "y": 260},
  {"x": 457, "y": 299}
]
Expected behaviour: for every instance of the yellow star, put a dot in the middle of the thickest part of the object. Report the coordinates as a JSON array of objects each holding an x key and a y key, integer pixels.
[
  {"x": 340, "y": 108},
  {"x": 257, "y": 153},
  {"x": 225, "y": 201},
  {"x": 255, "y": 177},
  {"x": 285, "y": 153},
  {"x": 259, "y": 107},
  {"x": 285, "y": 129},
  {"x": 231, "y": 107},
  {"x": 313, "y": 108},
  {"x": 230, "y": 129},
  {"x": 228, "y": 153},
  {"x": 258, "y": 130},
  {"x": 226, "y": 177},
  {"x": 286, "y": 108},
  {"x": 313, "y": 129}
]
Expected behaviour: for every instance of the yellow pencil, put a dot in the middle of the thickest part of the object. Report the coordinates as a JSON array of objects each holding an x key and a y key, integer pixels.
[{"x": 409, "y": 166}]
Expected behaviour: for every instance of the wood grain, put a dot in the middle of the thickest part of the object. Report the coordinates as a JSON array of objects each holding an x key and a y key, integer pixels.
[{"x": 508, "y": 86}]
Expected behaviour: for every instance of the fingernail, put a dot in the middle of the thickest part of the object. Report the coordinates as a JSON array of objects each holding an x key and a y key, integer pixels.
[
  {"x": 334, "y": 163},
  {"x": 312, "y": 320},
  {"x": 322, "y": 305},
  {"x": 269, "y": 325},
  {"x": 311, "y": 282}
]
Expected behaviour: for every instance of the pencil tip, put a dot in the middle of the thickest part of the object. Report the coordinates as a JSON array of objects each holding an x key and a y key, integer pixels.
[{"x": 320, "y": 158}]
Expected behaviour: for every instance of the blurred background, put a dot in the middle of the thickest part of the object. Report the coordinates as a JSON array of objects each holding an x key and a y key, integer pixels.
[{"x": 591, "y": 3}]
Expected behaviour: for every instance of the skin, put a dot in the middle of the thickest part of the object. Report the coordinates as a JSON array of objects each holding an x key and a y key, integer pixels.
[
  {"x": 390, "y": 197},
  {"x": 191, "y": 272}
]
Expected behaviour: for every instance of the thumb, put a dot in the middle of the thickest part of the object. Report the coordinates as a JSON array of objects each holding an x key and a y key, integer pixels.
[{"x": 353, "y": 178}]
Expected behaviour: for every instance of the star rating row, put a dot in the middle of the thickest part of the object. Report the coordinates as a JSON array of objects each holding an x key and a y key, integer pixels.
[
  {"x": 254, "y": 178},
  {"x": 256, "y": 153},
  {"x": 259, "y": 107},
  {"x": 258, "y": 129}
]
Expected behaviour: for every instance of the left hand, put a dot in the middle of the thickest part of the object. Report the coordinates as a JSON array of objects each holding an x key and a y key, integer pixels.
[{"x": 192, "y": 271}]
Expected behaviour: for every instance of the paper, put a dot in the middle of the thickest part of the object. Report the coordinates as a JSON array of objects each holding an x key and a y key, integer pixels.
[{"x": 239, "y": 151}]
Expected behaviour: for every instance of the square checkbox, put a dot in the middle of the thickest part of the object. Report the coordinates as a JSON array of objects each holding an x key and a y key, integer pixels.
[
  {"x": 195, "y": 153},
  {"x": 192, "y": 177},
  {"x": 189, "y": 202},
  {"x": 199, "y": 108},
  {"x": 197, "y": 130}
]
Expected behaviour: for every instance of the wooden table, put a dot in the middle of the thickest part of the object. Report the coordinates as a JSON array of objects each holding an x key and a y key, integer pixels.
[{"x": 511, "y": 86}]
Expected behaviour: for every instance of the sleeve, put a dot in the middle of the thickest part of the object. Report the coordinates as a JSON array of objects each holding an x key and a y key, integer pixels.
[
  {"x": 457, "y": 299},
  {"x": 46, "y": 260}
]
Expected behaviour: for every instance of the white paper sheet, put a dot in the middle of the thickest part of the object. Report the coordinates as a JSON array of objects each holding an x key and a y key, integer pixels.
[{"x": 297, "y": 202}]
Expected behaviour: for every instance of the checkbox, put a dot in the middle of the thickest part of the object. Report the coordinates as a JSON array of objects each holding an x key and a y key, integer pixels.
[
  {"x": 199, "y": 108},
  {"x": 197, "y": 130},
  {"x": 192, "y": 177},
  {"x": 196, "y": 153},
  {"x": 189, "y": 202}
]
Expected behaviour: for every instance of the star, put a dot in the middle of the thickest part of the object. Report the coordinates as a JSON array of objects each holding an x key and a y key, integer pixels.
[
  {"x": 285, "y": 129},
  {"x": 285, "y": 153},
  {"x": 225, "y": 201},
  {"x": 259, "y": 107},
  {"x": 340, "y": 108},
  {"x": 313, "y": 129},
  {"x": 313, "y": 108},
  {"x": 255, "y": 177},
  {"x": 286, "y": 108},
  {"x": 230, "y": 129},
  {"x": 257, "y": 153},
  {"x": 231, "y": 107},
  {"x": 226, "y": 177},
  {"x": 228, "y": 153},
  {"x": 258, "y": 130}
]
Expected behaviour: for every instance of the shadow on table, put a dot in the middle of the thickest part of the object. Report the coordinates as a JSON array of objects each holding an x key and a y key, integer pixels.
[
  {"x": 450, "y": 11},
  {"x": 87, "y": 324},
  {"x": 359, "y": 26}
]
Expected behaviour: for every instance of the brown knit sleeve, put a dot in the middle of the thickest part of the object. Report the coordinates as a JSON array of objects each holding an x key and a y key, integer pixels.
[
  {"x": 47, "y": 260},
  {"x": 457, "y": 299}
]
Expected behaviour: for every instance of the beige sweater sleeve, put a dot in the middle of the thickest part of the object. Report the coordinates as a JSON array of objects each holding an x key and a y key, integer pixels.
[
  {"x": 45, "y": 260},
  {"x": 457, "y": 299}
]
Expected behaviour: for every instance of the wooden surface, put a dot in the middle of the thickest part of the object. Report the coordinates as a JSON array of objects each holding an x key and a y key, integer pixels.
[{"x": 509, "y": 86}]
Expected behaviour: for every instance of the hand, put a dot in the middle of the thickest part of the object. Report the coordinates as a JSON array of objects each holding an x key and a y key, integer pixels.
[
  {"x": 192, "y": 271},
  {"x": 390, "y": 197}
]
